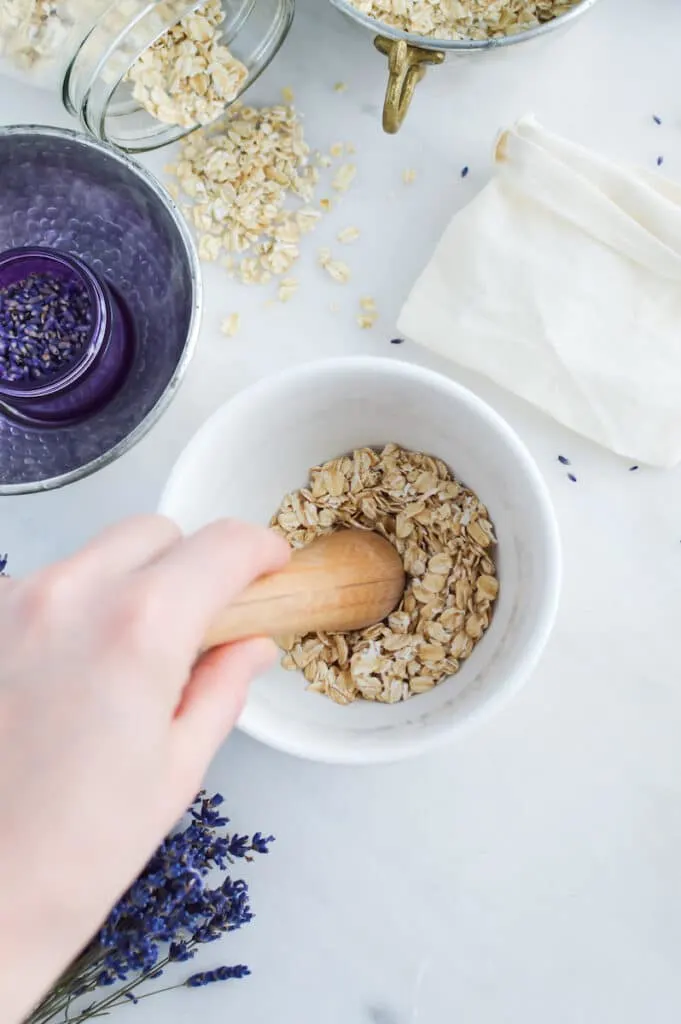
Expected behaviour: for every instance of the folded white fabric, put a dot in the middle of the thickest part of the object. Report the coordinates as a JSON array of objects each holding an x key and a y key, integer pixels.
[{"x": 561, "y": 281}]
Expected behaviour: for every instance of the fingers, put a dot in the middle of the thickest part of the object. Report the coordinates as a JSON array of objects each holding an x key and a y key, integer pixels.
[
  {"x": 127, "y": 546},
  {"x": 202, "y": 574},
  {"x": 215, "y": 695}
]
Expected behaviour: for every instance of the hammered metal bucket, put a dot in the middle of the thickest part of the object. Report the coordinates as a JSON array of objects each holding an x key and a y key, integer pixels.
[
  {"x": 409, "y": 55},
  {"x": 65, "y": 192}
]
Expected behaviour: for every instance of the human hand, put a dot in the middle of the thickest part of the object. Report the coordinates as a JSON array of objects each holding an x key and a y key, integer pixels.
[{"x": 109, "y": 717}]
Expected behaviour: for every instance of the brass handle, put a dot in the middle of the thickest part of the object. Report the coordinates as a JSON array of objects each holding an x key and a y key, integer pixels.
[{"x": 405, "y": 71}]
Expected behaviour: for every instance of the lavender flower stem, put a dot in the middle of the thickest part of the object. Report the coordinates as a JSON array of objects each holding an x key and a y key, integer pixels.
[
  {"x": 118, "y": 997},
  {"x": 81, "y": 974}
]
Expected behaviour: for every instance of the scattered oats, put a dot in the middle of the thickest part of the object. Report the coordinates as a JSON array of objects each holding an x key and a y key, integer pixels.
[
  {"x": 463, "y": 19},
  {"x": 348, "y": 235},
  {"x": 344, "y": 178},
  {"x": 209, "y": 248},
  {"x": 230, "y": 325},
  {"x": 307, "y": 220},
  {"x": 188, "y": 76},
  {"x": 340, "y": 87},
  {"x": 336, "y": 269},
  {"x": 287, "y": 289},
  {"x": 444, "y": 536},
  {"x": 287, "y": 94},
  {"x": 242, "y": 176},
  {"x": 409, "y": 176},
  {"x": 369, "y": 315},
  {"x": 336, "y": 150},
  {"x": 334, "y": 307},
  {"x": 350, "y": 148},
  {"x": 251, "y": 272}
]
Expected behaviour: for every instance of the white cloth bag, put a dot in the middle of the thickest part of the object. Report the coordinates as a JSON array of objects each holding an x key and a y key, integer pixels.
[{"x": 561, "y": 281}]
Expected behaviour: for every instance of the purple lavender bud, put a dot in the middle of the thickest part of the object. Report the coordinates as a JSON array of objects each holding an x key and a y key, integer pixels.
[{"x": 45, "y": 322}]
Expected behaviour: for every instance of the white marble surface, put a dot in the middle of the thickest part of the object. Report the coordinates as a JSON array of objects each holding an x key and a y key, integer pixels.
[{"x": 531, "y": 873}]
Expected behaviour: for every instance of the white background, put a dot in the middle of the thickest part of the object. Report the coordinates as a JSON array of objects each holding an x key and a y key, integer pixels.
[{"x": 533, "y": 872}]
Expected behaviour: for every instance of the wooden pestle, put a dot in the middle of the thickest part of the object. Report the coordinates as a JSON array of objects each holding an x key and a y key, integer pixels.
[{"x": 346, "y": 580}]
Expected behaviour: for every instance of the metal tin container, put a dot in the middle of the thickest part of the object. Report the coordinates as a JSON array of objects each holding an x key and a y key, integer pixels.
[
  {"x": 108, "y": 222},
  {"x": 409, "y": 55},
  {"x": 83, "y": 51}
]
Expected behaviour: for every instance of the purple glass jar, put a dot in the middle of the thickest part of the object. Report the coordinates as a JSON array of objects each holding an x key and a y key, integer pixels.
[{"x": 85, "y": 383}]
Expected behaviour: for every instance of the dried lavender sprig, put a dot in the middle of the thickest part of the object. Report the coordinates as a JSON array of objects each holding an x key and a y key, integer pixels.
[
  {"x": 169, "y": 905},
  {"x": 199, "y": 980}
]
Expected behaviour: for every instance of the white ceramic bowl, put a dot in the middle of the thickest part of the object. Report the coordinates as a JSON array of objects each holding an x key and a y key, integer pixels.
[{"x": 262, "y": 443}]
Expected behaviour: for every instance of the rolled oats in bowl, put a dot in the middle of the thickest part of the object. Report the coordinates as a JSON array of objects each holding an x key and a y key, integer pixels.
[
  {"x": 300, "y": 417},
  {"x": 446, "y": 540},
  {"x": 463, "y": 19}
]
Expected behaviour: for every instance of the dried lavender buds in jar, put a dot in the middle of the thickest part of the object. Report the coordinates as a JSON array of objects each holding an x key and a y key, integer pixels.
[{"x": 45, "y": 324}]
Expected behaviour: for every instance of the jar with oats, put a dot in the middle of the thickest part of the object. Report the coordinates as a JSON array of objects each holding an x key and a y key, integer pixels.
[
  {"x": 415, "y": 33},
  {"x": 142, "y": 73}
]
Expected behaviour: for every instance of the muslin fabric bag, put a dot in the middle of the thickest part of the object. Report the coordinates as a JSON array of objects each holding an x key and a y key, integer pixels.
[{"x": 561, "y": 281}]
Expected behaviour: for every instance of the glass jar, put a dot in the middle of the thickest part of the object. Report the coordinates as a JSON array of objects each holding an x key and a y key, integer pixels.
[
  {"x": 84, "y": 50},
  {"x": 90, "y": 379}
]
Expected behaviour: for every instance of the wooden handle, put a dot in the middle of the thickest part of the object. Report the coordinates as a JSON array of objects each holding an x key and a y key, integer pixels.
[{"x": 346, "y": 580}]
